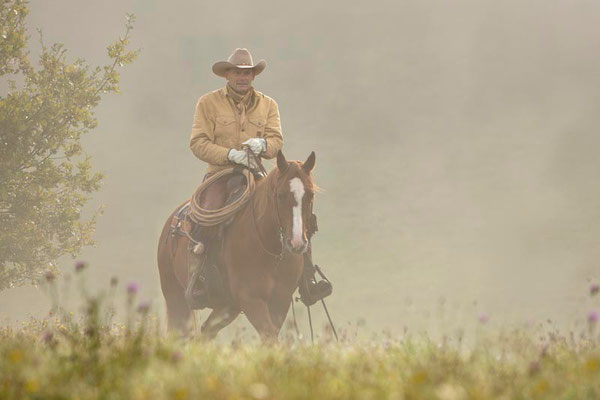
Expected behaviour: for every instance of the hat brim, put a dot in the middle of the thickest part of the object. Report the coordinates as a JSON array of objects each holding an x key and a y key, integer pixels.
[{"x": 221, "y": 67}]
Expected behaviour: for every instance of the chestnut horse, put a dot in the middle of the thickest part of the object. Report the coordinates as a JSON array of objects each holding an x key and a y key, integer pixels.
[{"x": 261, "y": 254}]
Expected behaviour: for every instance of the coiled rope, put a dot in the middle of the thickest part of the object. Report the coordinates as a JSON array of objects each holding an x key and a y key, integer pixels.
[{"x": 204, "y": 217}]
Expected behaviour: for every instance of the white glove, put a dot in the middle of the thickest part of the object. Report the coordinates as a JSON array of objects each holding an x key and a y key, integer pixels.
[
  {"x": 240, "y": 157},
  {"x": 257, "y": 145}
]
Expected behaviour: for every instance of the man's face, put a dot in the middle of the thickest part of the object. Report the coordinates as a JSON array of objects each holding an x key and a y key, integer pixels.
[{"x": 240, "y": 79}]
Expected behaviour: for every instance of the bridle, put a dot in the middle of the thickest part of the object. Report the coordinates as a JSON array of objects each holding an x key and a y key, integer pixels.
[
  {"x": 261, "y": 169},
  {"x": 282, "y": 252}
]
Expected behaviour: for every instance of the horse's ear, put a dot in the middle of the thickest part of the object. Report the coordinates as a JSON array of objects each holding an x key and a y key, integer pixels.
[
  {"x": 309, "y": 164},
  {"x": 282, "y": 164}
]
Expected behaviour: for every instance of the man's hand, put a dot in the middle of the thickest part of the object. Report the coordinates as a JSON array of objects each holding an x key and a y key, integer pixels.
[
  {"x": 241, "y": 157},
  {"x": 257, "y": 145}
]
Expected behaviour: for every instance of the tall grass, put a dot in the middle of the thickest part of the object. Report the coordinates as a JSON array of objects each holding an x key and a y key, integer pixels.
[{"x": 88, "y": 356}]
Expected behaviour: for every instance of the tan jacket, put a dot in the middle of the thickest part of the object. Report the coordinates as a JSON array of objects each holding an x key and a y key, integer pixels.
[{"x": 216, "y": 128}]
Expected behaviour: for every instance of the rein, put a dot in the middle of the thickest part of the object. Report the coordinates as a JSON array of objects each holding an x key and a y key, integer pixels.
[
  {"x": 262, "y": 170},
  {"x": 281, "y": 253}
]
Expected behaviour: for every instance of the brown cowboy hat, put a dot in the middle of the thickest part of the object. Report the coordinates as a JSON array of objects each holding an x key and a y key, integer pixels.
[{"x": 241, "y": 58}]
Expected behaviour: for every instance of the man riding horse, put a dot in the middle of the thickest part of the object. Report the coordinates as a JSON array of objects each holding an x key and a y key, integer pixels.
[{"x": 228, "y": 123}]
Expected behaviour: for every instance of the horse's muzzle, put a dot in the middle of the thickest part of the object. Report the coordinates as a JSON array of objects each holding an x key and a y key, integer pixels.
[{"x": 296, "y": 248}]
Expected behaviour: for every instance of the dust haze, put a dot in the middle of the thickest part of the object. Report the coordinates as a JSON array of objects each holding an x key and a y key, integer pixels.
[{"x": 456, "y": 145}]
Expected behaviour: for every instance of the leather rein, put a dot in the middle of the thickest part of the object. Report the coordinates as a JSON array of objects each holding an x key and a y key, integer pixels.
[{"x": 261, "y": 170}]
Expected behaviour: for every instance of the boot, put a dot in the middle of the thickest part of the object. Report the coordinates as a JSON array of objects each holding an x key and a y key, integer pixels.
[
  {"x": 310, "y": 289},
  {"x": 315, "y": 291},
  {"x": 196, "y": 292}
]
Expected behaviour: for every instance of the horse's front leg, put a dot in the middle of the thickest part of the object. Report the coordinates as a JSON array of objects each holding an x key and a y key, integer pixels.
[
  {"x": 279, "y": 305},
  {"x": 217, "y": 320},
  {"x": 286, "y": 282},
  {"x": 257, "y": 312}
]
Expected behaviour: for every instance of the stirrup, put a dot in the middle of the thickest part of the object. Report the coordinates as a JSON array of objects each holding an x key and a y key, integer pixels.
[{"x": 316, "y": 291}]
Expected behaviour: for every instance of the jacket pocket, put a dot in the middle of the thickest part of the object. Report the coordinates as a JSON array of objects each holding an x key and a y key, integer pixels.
[
  {"x": 225, "y": 131},
  {"x": 257, "y": 125}
]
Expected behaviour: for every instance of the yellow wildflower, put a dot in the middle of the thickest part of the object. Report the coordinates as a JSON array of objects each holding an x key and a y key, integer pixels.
[
  {"x": 16, "y": 356},
  {"x": 211, "y": 383},
  {"x": 592, "y": 364},
  {"x": 32, "y": 386},
  {"x": 181, "y": 394},
  {"x": 419, "y": 377}
]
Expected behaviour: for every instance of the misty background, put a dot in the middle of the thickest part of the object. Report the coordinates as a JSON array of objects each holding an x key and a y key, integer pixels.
[{"x": 456, "y": 145}]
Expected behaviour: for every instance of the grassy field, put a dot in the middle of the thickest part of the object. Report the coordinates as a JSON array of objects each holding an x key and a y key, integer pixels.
[{"x": 88, "y": 356}]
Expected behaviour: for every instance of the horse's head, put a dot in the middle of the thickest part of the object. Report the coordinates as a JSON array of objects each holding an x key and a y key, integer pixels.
[{"x": 294, "y": 194}]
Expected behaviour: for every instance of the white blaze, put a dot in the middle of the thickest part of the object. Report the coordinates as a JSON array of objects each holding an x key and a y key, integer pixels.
[{"x": 297, "y": 188}]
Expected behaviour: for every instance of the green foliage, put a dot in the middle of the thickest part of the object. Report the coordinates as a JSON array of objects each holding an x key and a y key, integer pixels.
[
  {"x": 46, "y": 175},
  {"x": 12, "y": 33}
]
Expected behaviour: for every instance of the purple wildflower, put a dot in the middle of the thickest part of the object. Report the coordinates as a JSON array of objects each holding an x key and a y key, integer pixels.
[
  {"x": 50, "y": 276},
  {"x": 80, "y": 266},
  {"x": 594, "y": 289},
  {"x": 133, "y": 287},
  {"x": 544, "y": 350},
  {"x": 176, "y": 356},
  {"x": 592, "y": 317},
  {"x": 484, "y": 318},
  {"x": 48, "y": 336},
  {"x": 144, "y": 307},
  {"x": 534, "y": 368}
]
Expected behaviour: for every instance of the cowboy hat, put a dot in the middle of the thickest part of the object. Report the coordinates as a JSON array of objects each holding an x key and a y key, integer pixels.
[{"x": 241, "y": 58}]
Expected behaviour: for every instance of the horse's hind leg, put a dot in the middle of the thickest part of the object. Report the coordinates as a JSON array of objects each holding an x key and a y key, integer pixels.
[
  {"x": 217, "y": 320},
  {"x": 178, "y": 311}
]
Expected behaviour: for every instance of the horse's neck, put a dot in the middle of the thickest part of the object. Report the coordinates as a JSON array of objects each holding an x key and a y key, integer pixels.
[{"x": 265, "y": 211}]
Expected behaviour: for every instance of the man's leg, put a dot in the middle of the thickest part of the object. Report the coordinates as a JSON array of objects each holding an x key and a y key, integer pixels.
[
  {"x": 212, "y": 198},
  {"x": 195, "y": 292}
]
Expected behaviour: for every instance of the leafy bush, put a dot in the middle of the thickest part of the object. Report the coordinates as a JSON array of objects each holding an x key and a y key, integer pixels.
[{"x": 46, "y": 175}]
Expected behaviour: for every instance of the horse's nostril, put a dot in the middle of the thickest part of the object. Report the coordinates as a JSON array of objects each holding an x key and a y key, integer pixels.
[{"x": 299, "y": 246}]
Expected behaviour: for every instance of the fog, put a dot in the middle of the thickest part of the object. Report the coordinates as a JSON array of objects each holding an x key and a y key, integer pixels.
[{"x": 456, "y": 145}]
